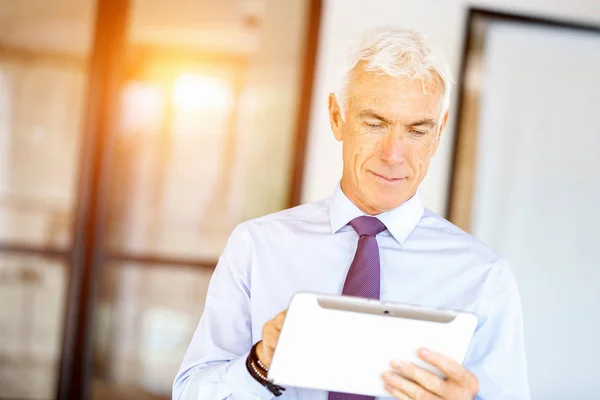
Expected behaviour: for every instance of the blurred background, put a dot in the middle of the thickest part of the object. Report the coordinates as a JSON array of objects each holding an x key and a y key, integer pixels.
[{"x": 135, "y": 134}]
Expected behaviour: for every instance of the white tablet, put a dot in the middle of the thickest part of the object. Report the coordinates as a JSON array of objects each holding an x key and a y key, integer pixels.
[{"x": 344, "y": 344}]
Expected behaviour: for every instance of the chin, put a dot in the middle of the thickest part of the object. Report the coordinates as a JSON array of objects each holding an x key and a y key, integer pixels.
[{"x": 388, "y": 202}]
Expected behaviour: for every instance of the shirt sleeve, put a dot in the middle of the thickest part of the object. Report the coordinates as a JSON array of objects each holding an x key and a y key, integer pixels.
[
  {"x": 497, "y": 353},
  {"x": 214, "y": 366}
]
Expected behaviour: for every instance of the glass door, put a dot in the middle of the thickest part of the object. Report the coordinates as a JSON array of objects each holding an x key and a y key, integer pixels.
[
  {"x": 44, "y": 53},
  {"x": 207, "y": 138},
  {"x": 134, "y": 136}
]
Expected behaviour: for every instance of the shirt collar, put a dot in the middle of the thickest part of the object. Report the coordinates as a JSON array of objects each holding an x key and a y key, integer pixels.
[{"x": 399, "y": 221}]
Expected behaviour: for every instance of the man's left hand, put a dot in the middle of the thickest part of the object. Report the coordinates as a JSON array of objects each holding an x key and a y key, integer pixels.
[{"x": 408, "y": 381}]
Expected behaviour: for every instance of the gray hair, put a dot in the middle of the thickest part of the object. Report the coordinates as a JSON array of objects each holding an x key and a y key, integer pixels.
[{"x": 398, "y": 53}]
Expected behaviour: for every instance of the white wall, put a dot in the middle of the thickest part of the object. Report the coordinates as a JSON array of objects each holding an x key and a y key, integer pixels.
[
  {"x": 539, "y": 208},
  {"x": 443, "y": 21}
]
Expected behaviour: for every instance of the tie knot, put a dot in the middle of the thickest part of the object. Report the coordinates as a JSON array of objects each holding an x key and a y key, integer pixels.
[{"x": 367, "y": 225}]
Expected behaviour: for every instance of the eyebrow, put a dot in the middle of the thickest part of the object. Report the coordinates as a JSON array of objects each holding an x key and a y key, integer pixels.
[
  {"x": 422, "y": 122},
  {"x": 373, "y": 114}
]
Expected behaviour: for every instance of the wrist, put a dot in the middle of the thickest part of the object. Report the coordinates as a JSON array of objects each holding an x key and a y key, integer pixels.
[
  {"x": 259, "y": 373},
  {"x": 260, "y": 357}
]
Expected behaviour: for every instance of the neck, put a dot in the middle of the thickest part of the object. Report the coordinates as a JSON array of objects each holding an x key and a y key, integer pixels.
[{"x": 358, "y": 202}]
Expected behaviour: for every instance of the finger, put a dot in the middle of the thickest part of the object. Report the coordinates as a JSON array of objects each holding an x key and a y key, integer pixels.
[
  {"x": 422, "y": 378},
  {"x": 405, "y": 387},
  {"x": 271, "y": 335},
  {"x": 273, "y": 326},
  {"x": 396, "y": 393},
  {"x": 279, "y": 318},
  {"x": 453, "y": 370}
]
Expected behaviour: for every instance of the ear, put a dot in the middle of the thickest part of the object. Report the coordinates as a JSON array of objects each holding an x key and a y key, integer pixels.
[
  {"x": 440, "y": 132},
  {"x": 443, "y": 124},
  {"x": 335, "y": 117}
]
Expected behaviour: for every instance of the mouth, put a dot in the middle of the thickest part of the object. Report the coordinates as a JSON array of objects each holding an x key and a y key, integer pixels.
[{"x": 387, "y": 179}]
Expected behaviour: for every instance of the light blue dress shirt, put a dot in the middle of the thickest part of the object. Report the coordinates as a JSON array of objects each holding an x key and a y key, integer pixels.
[{"x": 424, "y": 260}]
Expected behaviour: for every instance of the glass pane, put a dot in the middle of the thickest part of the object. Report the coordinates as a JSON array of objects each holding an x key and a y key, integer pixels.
[
  {"x": 145, "y": 318},
  {"x": 208, "y": 122},
  {"x": 44, "y": 47},
  {"x": 32, "y": 302}
]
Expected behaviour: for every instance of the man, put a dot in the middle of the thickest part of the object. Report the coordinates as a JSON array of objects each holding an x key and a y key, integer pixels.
[{"x": 390, "y": 115}]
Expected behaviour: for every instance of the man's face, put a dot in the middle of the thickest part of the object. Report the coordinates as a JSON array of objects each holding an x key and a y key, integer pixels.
[{"x": 390, "y": 132}]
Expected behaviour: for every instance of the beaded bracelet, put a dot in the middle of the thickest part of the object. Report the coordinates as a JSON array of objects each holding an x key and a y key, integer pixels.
[{"x": 258, "y": 371}]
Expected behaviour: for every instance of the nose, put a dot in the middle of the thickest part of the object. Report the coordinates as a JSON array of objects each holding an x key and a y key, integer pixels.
[{"x": 393, "y": 149}]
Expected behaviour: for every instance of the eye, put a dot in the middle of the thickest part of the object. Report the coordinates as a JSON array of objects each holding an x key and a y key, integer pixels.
[
  {"x": 372, "y": 125},
  {"x": 418, "y": 133}
]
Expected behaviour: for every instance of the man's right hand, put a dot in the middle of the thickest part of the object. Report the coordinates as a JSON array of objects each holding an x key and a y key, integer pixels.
[{"x": 270, "y": 336}]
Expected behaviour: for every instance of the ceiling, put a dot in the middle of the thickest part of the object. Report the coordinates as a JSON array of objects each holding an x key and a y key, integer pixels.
[{"x": 66, "y": 26}]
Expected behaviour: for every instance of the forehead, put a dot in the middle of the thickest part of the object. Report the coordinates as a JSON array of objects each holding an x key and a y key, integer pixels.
[{"x": 396, "y": 97}]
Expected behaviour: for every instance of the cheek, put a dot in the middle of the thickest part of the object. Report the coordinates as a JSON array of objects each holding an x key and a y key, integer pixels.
[
  {"x": 420, "y": 156},
  {"x": 363, "y": 148}
]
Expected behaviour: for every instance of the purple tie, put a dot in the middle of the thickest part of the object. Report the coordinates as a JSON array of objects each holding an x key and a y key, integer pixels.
[{"x": 364, "y": 275}]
